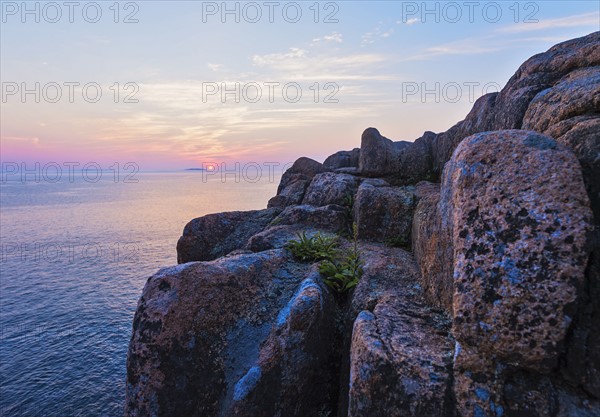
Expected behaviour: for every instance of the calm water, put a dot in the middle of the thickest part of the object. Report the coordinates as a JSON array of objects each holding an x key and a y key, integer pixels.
[{"x": 75, "y": 257}]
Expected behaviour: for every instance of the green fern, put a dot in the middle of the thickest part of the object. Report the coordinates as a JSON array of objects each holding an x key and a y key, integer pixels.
[
  {"x": 315, "y": 248},
  {"x": 343, "y": 274}
]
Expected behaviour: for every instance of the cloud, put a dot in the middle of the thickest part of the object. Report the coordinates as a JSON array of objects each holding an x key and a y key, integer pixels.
[
  {"x": 301, "y": 64},
  {"x": 586, "y": 19},
  {"x": 172, "y": 118},
  {"x": 375, "y": 34},
  {"x": 270, "y": 59},
  {"x": 215, "y": 67},
  {"x": 469, "y": 46},
  {"x": 334, "y": 37},
  {"x": 34, "y": 140},
  {"x": 501, "y": 39},
  {"x": 411, "y": 21}
]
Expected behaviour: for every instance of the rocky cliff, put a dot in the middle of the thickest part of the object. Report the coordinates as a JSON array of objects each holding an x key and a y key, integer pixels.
[{"x": 480, "y": 286}]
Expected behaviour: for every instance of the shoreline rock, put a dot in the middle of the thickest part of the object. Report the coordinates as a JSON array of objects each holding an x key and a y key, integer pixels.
[{"x": 480, "y": 294}]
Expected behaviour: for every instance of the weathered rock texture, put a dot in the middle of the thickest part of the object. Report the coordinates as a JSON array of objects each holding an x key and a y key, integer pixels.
[
  {"x": 295, "y": 181},
  {"x": 292, "y": 375},
  {"x": 384, "y": 213},
  {"x": 553, "y": 71},
  {"x": 215, "y": 235},
  {"x": 208, "y": 336},
  {"x": 379, "y": 156},
  {"x": 343, "y": 159},
  {"x": 329, "y": 188},
  {"x": 569, "y": 112},
  {"x": 520, "y": 222},
  {"x": 401, "y": 352},
  {"x": 432, "y": 245},
  {"x": 496, "y": 312}
]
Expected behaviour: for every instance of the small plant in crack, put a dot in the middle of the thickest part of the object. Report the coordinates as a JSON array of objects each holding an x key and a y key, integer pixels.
[
  {"x": 315, "y": 248},
  {"x": 343, "y": 273}
]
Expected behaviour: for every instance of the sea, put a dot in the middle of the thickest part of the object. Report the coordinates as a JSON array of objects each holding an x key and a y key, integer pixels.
[{"x": 75, "y": 255}]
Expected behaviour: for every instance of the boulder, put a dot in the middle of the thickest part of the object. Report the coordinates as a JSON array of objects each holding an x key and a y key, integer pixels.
[
  {"x": 520, "y": 216},
  {"x": 292, "y": 193},
  {"x": 384, "y": 213},
  {"x": 387, "y": 270},
  {"x": 215, "y": 338},
  {"x": 330, "y": 188},
  {"x": 343, "y": 159},
  {"x": 209, "y": 237},
  {"x": 276, "y": 237},
  {"x": 568, "y": 112},
  {"x": 379, "y": 156},
  {"x": 401, "y": 352},
  {"x": 540, "y": 72},
  {"x": 332, "y": 217},
  {"x": 575, "y": 94},
  {"x": 304, "y": 166},
  {"x": 416, "y": 161},
  {"x": 399, "y": 364},
  {"x": 294, "y": 182}
]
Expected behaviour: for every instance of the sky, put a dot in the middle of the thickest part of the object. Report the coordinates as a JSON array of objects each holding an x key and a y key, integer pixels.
[{"x": 179, "y": 84}]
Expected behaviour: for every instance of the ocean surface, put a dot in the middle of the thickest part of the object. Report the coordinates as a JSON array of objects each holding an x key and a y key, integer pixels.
[{"x": 75, "y": 258}]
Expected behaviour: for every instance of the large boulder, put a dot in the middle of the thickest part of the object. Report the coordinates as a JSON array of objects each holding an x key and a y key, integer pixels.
[
  {"x": 401, "y": 352},
  {"x": 540, "y": 72},
  {"x": 520, "y": 216},
  {"x": 237, "y": 336},
  {"x": 383, "y": 213},
  {"x": 214, "y": 235},
  {"x": 294, "y": 182},
  {"x": 343, "y": 159},
  {"x": 329, "y": 219},
  {"x": 330, "y": 188},
  {"x": 568, "y": 112},
  {"x": 379, "y": 156},
  {"x": 275, "y": 237},
  {"x": 416, "y": 160}
]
